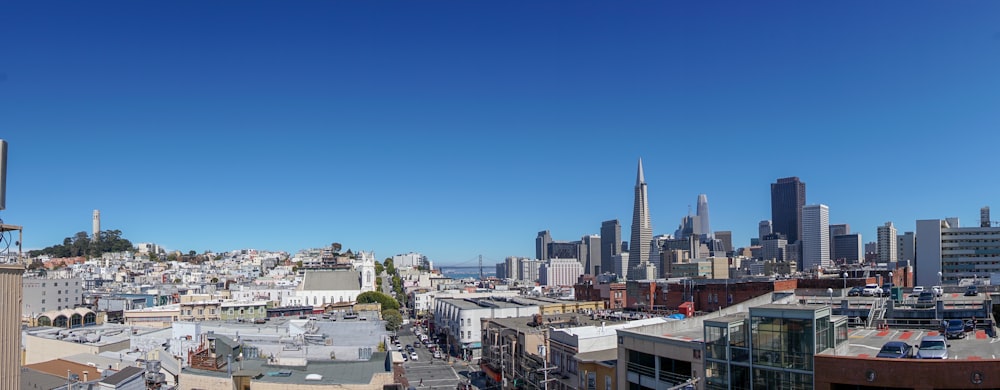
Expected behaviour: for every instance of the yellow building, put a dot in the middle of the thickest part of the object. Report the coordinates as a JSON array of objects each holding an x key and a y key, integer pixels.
[{"x": 200, "y": 310}]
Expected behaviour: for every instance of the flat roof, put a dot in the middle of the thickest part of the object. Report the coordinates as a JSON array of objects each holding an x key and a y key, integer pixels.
[
  {"x": 867, "y": 342},
  {"x": 332, "y": 372},
  {"x": 99, "y": 335}
]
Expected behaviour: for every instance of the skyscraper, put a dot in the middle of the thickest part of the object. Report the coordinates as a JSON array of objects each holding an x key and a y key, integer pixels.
[
  {"x": 642, "y": 228},
  {"x": 542, "y": 245},
  {"x": 887, "y": 243},
  {"x": 726, "y": 237},
  {"x": 815, "y": 236},
  {"x": 848, "y": 248},
  {"x": 590, "y": 254},
  {"x": 906, "y": 247},
  {"x": 703, "y": 227},
  {"x": 788, "y": 195},
  {"x": 611, "y": 244},
  {"x": 763, "y": 229},
  {"x": 838, "y": 229}
]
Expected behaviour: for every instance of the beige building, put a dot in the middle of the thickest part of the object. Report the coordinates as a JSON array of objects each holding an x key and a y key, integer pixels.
[
  {"x": 153, "y": 317},
  {"x": 660, "y": 356},
  {"x": 200, "y": 310},
  {"x": 10, "y": 326}
]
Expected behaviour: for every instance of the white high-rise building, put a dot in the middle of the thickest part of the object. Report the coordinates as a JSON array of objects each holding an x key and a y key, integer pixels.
[
  {"x": 815, "y": 236},
  {"x": 957, "y": 253},
  {"x": 887, "y": 243},
  {"x": 559, "y": 272}
]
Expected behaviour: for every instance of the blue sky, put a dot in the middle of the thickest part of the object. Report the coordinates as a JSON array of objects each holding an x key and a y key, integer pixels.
[{"x": 459, "y": 128}]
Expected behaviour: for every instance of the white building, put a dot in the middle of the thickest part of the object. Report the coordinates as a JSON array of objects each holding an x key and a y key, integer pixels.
[
  {"x": 410, "y": 260},
  {"x": 559, "y": 272},
  {"x": 321, "y": 287},
  {"x": 425, "y": 301},
  {"x": 815, "y": 236},
  {"x": 887, "y": 243},
  {"x": 50, "y": 294},
  {"x": 529, "y": 270},
  {"x": 461, "y": 319},
  {"x": 971, "y": 253}
]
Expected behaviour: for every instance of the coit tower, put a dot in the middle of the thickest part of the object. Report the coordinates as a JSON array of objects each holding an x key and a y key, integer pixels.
[{"x": 97, "y": 225}]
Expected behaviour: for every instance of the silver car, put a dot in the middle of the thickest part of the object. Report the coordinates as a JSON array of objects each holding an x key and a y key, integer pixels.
[{"x": 933, "y": 347}]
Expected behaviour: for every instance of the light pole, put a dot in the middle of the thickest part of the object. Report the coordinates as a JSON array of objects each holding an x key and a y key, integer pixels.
[
  {"x": 545, "y": 366},
  {"x": 830, "y": 291},
  {"x": 940, "y": 278},
  {"x": 845, "y": 280}
]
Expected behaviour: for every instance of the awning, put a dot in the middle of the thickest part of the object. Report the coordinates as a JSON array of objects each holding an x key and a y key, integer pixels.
[{"x": 489, "y": 372}]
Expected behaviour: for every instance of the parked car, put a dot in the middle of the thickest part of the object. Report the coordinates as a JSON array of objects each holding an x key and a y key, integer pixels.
[
  {"x": 916, "y": 291},
  {"x": 937, "y": 290},
  {"x": 933, "y": 347},
  {"x": 437, "y": 354},
  {"x": 895, "y": 350},
  {"x": 925, "y": 300},
  {"x": 887, "y": 289},
  {"x": 871, "y": 290},
  {"x": 971, "y": 291},
  {"x": 855, "y": 291},
  {"x": 953, "y": 329}
]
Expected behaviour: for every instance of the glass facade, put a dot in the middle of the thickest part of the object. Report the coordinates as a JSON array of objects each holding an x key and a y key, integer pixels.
[
  {"x": 772, "y": 349},
  {"x": 783, "y": 342}
]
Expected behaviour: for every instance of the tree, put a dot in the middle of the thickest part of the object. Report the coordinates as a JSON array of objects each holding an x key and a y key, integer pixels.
[
  {"x": 215, "y": 280},
  {"x": 192, "y": 253},
  {"x": 337, "y": 247},
  {"x": 379, "y": 268},
  {"x": 378, "y": 283},
  {"x": 387, "y": 302},
  {"x": 393, "y": 320}
]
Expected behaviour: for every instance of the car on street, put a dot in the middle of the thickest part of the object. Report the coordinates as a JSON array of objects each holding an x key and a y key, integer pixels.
[
  {"x": 855, "y": 291},
  {"x": 933, "y": 347},
  {"x": 937, "y": 290},
  {"x": 413, "y": 355},
  {"x": 437, "y": 354},
  {"x": 971, "y": 291},
  {"x": 953, "y": 329},
  {"x": 916, "y": 291},
  {"x": 895, "y": 350}
]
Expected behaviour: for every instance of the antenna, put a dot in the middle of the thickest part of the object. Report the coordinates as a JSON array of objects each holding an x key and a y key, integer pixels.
[{"x": 3, "y": 174}]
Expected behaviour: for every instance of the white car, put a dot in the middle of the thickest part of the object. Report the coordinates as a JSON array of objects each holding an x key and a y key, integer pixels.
[
  {"x": 917, "y": 290},
  {"x": 871, "y": 290},
  {"x": 938, "y": 291},
  {"x": 413, "y": 355},
  {"x": 437, "y": 354}
]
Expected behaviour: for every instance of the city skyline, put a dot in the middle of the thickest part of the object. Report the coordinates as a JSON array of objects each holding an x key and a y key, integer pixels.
[{"x": 459, "y": 129}]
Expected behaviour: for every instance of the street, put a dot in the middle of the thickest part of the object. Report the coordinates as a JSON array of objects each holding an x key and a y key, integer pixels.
[{"x": 426, "y": 372}]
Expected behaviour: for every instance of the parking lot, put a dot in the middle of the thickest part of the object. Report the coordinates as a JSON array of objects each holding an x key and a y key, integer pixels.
[{"x": 427, "y": 372}]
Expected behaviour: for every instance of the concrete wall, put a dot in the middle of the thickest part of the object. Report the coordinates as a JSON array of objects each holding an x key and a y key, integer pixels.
[
  {"x": 905, "y": 373},
  {"x": 189, "y": 381},
  {"x": 40, "y": 349}
]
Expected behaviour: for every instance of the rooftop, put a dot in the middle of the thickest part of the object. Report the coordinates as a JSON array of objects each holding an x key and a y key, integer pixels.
[
  {"x": 332, "y": 372},
  {"x": 867, "y": 342},
  {"x": 99, "y": 335}
]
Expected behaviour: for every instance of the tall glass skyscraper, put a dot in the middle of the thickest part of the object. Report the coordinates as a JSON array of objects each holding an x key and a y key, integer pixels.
[
  {"x": 788, "y": 195},
  {"x": 611, "y": 244}
]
